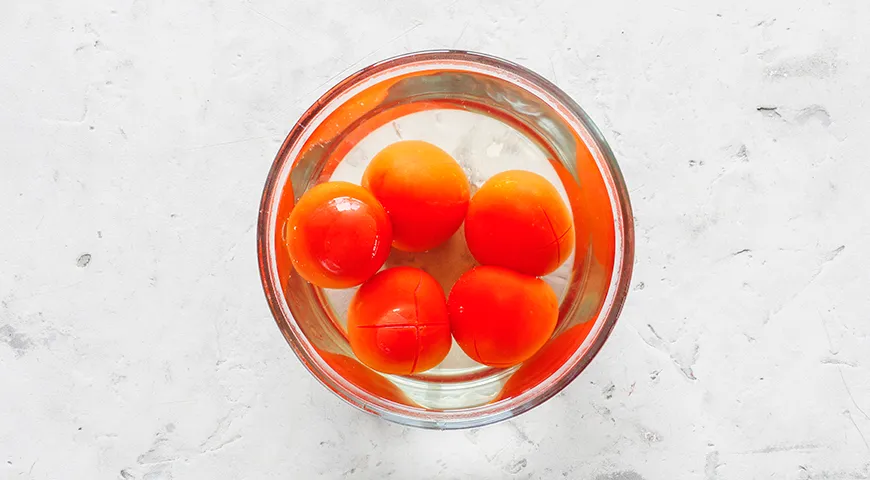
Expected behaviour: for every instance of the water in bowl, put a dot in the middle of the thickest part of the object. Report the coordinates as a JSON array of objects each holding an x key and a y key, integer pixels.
[{"x": 483, "y": 146}]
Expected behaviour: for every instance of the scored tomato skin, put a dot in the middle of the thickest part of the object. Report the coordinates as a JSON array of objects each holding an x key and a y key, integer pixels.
[
  {"x": 338, "y": 235},
  {"x": 518, "y": 220},
  {"x": 500, "y": 317},
  {"x": 424, "y": 191},
  {"x": 397, "y": 322}
]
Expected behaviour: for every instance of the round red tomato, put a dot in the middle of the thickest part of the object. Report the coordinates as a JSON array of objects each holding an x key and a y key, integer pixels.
[
  {"x": 518, "y": 220},
  {"x": 397, "y": 322},
  {"x": 501, "y": 317},
  {"x": 424, "y": 191},
  {"x": 338, "y": 235}
]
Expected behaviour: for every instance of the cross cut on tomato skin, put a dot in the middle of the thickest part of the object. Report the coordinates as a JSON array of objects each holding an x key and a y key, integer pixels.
[
  {"x": 397, "y": 322},
  {"x": 518, "y": 220}
]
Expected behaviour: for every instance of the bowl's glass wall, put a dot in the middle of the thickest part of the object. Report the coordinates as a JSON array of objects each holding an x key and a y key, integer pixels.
[{"x": 600, "y": 269}]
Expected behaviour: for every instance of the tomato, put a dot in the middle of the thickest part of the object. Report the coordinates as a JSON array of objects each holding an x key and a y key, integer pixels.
[
  {"x": 518, "y": 220},
  {"x": 500, "y": 317},
  {"x": 397, "y": 322},
  {"x": 338, "y": 235},
  {"x": 424, "y": 191}
]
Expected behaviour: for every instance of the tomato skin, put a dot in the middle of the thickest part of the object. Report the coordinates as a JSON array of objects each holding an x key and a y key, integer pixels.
[
  {"x": 518, "y": 220},
  {"x": 424, "y": 191},
  {"x": 397, "y": 322},
  {"x": 500, "y": 317},
  {"x": 338, "y": 235}
]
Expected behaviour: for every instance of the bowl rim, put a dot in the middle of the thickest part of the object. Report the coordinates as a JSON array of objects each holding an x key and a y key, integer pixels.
[{"x": 493, "y": 412}]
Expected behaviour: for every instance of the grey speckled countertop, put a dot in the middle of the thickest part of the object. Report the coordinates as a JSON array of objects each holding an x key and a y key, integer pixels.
[{"x": 135, "y": 342}]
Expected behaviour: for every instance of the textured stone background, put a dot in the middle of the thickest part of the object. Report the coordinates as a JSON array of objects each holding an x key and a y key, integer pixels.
[{"x": 135, "y": 342}]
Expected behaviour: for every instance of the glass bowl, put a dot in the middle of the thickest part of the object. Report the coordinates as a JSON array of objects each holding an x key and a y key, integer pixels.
[{"x": 491, "y": 115}]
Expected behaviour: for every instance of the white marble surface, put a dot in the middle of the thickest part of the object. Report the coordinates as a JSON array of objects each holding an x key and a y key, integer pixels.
[{"x": 135, "y": 342}]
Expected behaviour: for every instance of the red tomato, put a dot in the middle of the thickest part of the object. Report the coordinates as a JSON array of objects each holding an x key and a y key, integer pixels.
[
  {"x": 338, "y": 235},
  {"x": 424, "y": 191},
  {"x": 518, "y": 220},
  {"x": 500, "y": 317},
  {"x": 397, "y": 322}
]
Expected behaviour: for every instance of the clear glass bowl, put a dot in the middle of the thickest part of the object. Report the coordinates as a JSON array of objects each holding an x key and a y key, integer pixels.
[{"x": 491, "y": 115}]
